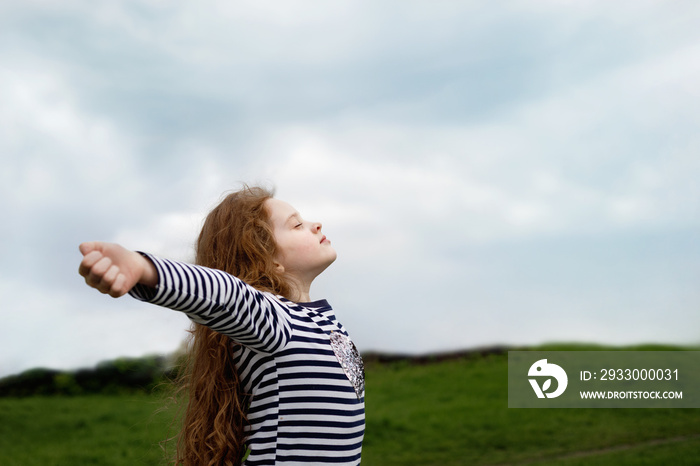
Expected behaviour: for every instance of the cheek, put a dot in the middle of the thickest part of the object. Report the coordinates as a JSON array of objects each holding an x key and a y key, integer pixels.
[
  {"x": 295, "y": 250},
  {"x": 302, "y": 251}
]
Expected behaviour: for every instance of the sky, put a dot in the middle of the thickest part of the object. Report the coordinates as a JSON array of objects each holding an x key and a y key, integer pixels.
[{"x": 490, "y": 173}]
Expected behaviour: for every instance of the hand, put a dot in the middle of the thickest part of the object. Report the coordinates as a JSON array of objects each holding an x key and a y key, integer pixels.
[{"x": 114, "y": 270}]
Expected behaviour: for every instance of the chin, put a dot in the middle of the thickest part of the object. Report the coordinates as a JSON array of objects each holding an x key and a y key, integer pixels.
[
  {"x": 330, "y": 260},
  {"x": 334, "y": 256}
]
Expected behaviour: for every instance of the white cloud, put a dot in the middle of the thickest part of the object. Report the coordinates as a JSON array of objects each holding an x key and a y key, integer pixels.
[
  {"x": 531, "y": 173},
  {"x": 77, "y": 327},
  {"x": 51, "y": 144},
  {"x": 445, "y": 147},
  {"x": 171, "y": 235}
]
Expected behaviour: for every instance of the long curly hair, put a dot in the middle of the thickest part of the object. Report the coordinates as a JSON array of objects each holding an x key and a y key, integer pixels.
[{"x": 237, "y": 238}]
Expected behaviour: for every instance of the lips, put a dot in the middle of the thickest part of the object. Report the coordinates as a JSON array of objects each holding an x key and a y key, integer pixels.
[{"x": 324, "y": 238}]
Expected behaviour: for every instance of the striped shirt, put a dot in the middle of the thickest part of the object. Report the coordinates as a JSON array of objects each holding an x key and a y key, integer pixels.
[{"x": 307, "y": 404}]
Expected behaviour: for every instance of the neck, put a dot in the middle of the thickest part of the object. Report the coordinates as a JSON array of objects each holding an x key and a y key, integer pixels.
[{"x": 300, "y": 291}]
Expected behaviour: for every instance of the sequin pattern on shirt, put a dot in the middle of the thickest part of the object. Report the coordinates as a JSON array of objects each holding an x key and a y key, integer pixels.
[{"x": 350, "y": 360}]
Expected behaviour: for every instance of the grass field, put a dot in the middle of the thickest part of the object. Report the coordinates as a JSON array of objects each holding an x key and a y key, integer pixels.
[{"x": 448, "y": 413}]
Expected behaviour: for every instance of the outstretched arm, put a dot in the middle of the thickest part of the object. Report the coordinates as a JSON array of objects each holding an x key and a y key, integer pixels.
[
  {"x": 209, "y": 297},
  {"x": 114, "y": 270}
]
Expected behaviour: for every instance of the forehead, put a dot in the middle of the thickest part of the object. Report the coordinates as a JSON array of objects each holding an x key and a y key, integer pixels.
[{"x": 279, "y": 211}]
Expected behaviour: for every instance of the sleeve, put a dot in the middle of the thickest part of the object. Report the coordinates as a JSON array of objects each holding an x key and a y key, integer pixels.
[{"x": 220, "y": 301}]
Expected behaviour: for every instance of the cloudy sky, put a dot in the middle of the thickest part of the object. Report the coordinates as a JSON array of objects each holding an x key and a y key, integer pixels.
[{"x": 490, "y": 173}]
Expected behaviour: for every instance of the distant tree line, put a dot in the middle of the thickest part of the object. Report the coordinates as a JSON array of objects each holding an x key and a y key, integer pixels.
[
  {"x": 144, "y": 374},
  {"x": 120, "y": 375}
]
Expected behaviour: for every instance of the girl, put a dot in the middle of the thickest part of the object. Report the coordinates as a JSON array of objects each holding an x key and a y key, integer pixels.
[{"x": 273, "y": 377}]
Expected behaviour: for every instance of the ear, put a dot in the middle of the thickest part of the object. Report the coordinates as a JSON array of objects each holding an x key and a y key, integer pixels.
[{"x": 279, "y": 267}]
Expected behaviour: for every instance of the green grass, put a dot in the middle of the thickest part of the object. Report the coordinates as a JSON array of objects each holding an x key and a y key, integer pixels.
[
  {"x": 448, "y": 413},
  {"x": 99, "y": 430},
  {"x": 456, "y": 413}
]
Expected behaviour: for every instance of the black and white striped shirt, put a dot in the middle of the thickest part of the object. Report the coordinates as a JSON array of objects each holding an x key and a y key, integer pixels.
[{"x": 305, "y": 408}]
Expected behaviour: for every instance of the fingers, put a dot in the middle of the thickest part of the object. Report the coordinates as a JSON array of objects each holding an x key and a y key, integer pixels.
[
  {"x": 94, "y": 267},
  {"x": 118, "y": 286},
  {"x": 111, "y": 274},
  {"x": 100, "y": 273},
  {"x": 112, "y": 269},
  {"x": 114, "y": 282},
  {"x": 87, "y": 247},
  {"x": 88, "y": 262}
]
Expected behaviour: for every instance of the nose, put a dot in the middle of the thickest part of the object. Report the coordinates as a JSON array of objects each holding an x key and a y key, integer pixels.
[{"x": 317, "y": 227}]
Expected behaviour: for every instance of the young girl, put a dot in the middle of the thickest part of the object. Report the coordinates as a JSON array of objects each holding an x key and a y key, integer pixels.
[{"x": 273, "y": 377}]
